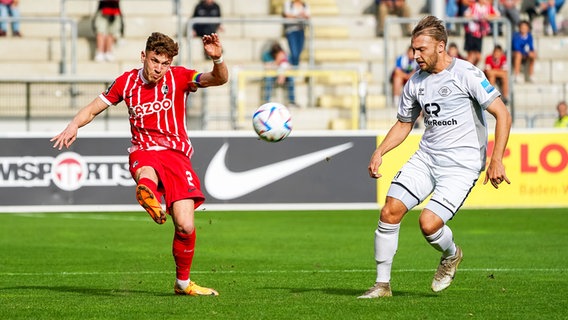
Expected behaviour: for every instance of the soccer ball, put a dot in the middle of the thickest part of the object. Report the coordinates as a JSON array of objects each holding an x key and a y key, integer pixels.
[{"x": 272, "y": 122}]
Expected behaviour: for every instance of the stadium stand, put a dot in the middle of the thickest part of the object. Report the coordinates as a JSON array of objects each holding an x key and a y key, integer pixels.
[{"x": 343, "y": 38}]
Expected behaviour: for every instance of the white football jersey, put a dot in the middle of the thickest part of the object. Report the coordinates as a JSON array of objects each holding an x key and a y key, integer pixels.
[{"x": 453, "y": 103}]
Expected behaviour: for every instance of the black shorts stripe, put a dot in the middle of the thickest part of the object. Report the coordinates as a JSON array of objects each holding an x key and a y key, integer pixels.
[
  {"x": 449, "y": 210},
  {"x": 463, "y": 201},
  {"x": 405, "y": 188}
]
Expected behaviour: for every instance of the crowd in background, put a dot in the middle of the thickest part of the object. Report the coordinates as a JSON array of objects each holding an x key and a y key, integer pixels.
[{"x": 108, "y": 26}]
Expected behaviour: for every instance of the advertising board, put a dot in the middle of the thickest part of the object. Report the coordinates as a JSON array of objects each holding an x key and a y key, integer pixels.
[
  {"x": 235, "y": 169},
  {"x": 323, "y": 170},
  {"x": 536, "y": 164}
]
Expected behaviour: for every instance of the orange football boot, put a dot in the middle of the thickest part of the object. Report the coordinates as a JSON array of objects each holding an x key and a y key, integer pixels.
[{"x": 148, "y": 201}]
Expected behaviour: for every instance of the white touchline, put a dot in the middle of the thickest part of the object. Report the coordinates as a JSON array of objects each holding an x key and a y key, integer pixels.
[{"x": 224, "y": 184}]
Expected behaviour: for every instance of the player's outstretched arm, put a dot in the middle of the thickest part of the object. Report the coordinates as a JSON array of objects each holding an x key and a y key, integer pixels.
[
  {"x": 496, "y": 170},
  {"x": 83, "y": 117},
  {"x": 220, "y": 74},
  {"x": 396, "y": 135}
]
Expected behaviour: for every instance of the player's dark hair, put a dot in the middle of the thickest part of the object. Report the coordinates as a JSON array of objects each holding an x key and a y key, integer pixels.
[
  {"x": 162, "y": 44},
  {"x": 431, "y": 26}
]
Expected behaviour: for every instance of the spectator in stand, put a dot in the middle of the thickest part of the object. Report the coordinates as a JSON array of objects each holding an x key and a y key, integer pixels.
[
  {"x": 456, "y": 8},
  {"x": 463, "y": 6},
  {"x": 510, "y": 10},
  {"x": 496, "y": 71},
  {"x": 523, "y": 52},
  {"x": 275, "y": 58},
  {"x": 481, "y": 11},
  {"x": 403, "y": 70},
  {"x": 295, "y": 9},
  {"x": 548, "y": 8},
  {"x": 562, "y": 121},
  {"x": 454, "y": 51},
  {"x": 452, "y": 10},
  {"x": 109, "y": 26},
  {"x": 10, "y": 8},
  {"x": 206, "y": 8},
  {"x": 295, "y": 35},
  {"x": 398, "y": 8}
]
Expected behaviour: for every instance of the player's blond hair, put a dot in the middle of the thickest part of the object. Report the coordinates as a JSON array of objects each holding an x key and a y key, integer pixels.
[
  {"x": 433, "y": 27},
  {"x": 162, "y": 44}
]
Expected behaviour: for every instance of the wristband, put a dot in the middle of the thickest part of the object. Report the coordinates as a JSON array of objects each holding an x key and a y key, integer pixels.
[{"x": 218, "y": 61}]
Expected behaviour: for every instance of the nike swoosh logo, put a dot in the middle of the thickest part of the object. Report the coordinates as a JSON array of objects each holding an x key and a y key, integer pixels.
[{"x": 224, "y": 184}]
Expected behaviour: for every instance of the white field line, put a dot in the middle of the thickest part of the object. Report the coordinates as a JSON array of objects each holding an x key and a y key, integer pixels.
[
  {"x": 98, "y": 273},
  {"x": 86, "y": 216}
]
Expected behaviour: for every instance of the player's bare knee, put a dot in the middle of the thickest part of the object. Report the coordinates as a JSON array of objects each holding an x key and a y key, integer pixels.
[
  {"x": 429, "y": 222},
  {"x": 183, "y": 222},
  {"x": 186, "y": 228},
  {"x": 428, "y": 229},
  {"x": 393, "y": 211},
  {"x": 391, "y": 215}
]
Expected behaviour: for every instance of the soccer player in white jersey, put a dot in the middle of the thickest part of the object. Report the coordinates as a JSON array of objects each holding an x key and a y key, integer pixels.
[
  {"x": 159, "y": 158},
  {"x": 453, "y": 96}
]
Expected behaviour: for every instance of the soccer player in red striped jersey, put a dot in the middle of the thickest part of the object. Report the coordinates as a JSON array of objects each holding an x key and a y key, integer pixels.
[{"x": 160, "y": 155}]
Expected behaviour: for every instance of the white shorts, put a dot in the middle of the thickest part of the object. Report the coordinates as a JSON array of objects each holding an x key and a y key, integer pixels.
[{"x": 418, "y": 178}]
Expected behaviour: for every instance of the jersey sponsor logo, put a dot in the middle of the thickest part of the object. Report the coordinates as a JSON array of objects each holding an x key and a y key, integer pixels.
[
  {"x": 149, "y": 108},
  {"x": 440, "y": 123},
  {"x": 68, "y": 171},
  {"x": 224, "y": 184},
  {"x": 432, "y": 109}
]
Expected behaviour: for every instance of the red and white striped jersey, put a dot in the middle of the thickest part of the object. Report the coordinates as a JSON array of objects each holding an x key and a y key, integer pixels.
[
  {"x": 157, "y": 111},
  {"x": 480, "y": 26}
]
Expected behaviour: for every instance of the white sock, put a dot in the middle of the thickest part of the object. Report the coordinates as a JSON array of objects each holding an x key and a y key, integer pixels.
[
  {"x": 443, "y": 241},
  {"x": 182, "y": 283},
  {"x": 386, "y": 244}
]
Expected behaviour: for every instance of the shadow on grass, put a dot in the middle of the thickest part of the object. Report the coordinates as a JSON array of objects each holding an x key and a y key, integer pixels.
[
  {"x": 89, "y": 291},
  {"x": 354, "y": 292}
]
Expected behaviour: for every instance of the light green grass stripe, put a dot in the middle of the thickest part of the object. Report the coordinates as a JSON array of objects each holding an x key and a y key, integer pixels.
[{"x": 95, "y": 273}]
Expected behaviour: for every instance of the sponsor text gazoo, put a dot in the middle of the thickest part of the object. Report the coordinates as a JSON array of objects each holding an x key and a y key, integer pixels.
[{"x": 68, "y": 171}]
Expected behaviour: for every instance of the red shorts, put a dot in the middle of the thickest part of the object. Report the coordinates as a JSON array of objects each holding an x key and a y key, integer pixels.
[{"x": 177, "y": 182}]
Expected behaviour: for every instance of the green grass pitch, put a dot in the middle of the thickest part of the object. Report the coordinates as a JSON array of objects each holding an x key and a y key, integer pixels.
[{"x": 279, "y": 265}]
